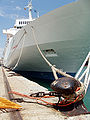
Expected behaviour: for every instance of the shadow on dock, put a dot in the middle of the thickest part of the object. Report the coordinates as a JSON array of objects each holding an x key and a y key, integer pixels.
[{"x": 74, "y": 109}]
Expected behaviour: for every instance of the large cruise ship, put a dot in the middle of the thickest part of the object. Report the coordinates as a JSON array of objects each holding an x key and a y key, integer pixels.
[{"x": 63, "y": 36}]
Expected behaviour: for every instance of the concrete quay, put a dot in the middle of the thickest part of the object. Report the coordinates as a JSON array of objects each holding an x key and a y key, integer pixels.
[{"x": 31, "y": 111}]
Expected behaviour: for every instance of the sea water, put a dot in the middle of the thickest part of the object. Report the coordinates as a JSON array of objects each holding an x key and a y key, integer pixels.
[{"x": 87, "y": 99}]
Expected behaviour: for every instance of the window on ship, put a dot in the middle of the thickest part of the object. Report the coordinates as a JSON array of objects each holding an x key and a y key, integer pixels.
[{"x": 19, "y": 27}]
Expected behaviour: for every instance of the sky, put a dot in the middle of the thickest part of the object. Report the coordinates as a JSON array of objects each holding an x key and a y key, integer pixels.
[{"x": 10, "y": 10}]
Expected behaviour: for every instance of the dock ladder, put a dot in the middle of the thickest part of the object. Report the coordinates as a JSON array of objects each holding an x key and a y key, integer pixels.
[{"x": 84, "y": 72}]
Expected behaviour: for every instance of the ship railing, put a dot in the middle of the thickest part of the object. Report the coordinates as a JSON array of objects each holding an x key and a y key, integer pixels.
[{"x": 83, "y": 73}]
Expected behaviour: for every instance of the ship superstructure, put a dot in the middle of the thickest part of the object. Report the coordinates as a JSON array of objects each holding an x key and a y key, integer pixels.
[{"x": 19, "y": 23}]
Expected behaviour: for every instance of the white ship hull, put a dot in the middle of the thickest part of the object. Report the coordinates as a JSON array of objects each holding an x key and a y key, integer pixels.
[{"x": 65, "y": 31}]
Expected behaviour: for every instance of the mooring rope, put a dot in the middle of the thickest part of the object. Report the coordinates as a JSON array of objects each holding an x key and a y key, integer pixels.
[
  {"x": 20, "y": 52},
  {"x": 54, "y": 69},
  {"x": 84, "y": 73},
  {"x": 81, "y": 92}
]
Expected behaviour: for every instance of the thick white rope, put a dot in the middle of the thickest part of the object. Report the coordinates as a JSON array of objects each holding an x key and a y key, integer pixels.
[
  {"x": 87, "y": 77},
  {"x": 78, "y": 73},
  {"x": 20, "y": 52},
  {"x": 54, "y": 69},
  {"x": 86, "y": 73}
]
